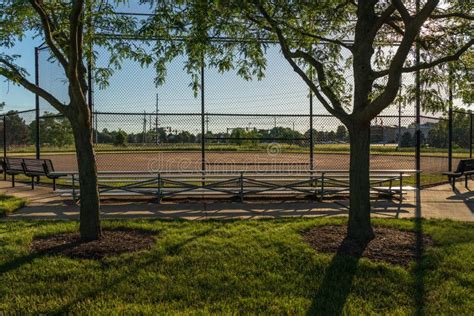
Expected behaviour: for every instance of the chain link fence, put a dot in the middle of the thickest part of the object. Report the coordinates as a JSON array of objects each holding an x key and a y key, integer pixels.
[
  {"x": 226, "y": 123},
  {"x": 18, "y": 132}
]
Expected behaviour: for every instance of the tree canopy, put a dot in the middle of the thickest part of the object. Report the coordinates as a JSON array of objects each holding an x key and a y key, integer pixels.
[{"x": 323, "y": 37}]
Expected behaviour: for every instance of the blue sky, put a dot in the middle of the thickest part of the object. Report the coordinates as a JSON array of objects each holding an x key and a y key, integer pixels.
[{"x": 17, "y": 98}]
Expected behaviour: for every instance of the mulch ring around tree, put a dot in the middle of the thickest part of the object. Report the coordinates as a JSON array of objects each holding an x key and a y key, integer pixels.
[
  {"x": 113, "y": 243},
  {"x": 390, "y": 245}
]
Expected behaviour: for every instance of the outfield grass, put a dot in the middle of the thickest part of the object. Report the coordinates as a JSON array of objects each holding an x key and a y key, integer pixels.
[
  {"x": 236, "y": 267},
  {"x": 9, "y": 204}
]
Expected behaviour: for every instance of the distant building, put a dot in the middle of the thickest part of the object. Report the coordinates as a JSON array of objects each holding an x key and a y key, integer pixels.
[
  {"x": 424, "y": 128},
  {"x": 385, "y": 134}
]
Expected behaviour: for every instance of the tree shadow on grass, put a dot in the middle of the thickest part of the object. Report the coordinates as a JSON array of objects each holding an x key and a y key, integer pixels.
[
  {"x": 20, "y": 261},
  {"x": 170, "y": 250},
  {"x": 419, "y": 269},
  {"x": 336, "y": 285}
]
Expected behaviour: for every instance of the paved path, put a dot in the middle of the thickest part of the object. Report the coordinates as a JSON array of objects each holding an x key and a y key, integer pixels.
[{"x": 437, "y": 202}]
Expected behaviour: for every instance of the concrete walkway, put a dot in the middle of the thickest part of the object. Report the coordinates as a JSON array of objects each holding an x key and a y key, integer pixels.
[{"x": 437, "y": 202}]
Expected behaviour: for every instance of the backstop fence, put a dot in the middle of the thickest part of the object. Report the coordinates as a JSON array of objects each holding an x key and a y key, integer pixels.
[{"x": 227, "y": 123}]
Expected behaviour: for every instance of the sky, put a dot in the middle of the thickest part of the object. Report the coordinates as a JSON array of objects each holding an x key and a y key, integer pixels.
[{"x": 18, "y": 98}]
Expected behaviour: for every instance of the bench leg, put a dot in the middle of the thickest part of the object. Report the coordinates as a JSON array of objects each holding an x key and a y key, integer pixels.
[
  {"x": 13, "y": 180},
  {"x": 54, "y": 184},
  {"x": 241, "y": 192},
  {"x": 322, "y": 188},
  {"x": 316, "y": 189},
  {"x": 32, "y": 183},
  {"x": 401, "y": 189}
]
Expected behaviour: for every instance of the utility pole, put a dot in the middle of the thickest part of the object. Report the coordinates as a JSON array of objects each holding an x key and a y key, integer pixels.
[
  {"x": 96, "y": 128},
  {"x": 207, "y": 123},
  {"x": 399, "y": 122},
  {"x": 144, "y": 128},
  {"x": 149, "y": 124},
  {"x": 156, "y": 120}
]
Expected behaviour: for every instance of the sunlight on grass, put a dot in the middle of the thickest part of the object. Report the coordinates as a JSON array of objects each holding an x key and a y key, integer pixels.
[
  {"x": 9, "y": 204},
  {"x": 236, "y": 267}
]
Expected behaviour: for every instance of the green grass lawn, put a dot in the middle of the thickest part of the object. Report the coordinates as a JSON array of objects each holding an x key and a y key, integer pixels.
[
  {"x": 10, "y": 204},
  {"x": 236, "y": 267}
]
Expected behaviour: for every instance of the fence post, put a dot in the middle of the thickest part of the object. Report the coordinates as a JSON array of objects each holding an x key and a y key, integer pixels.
[
  {"x": 90, "y": 91},
  {"x": 203, "y": 121},
  {"x": 311, "y": 137},
  {"x": 4, "y": 143},
  {"x": 470, "y": 136},
  {"x": 4, "y": 136},
  {"x": 37, "y": 107},
  {"x": 418, "y": 112},
  {"x": 450, "y": 123},
  {"x": 90, "y": 98}
]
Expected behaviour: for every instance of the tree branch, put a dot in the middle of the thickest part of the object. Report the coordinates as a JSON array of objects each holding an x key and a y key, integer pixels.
[
  {"x": 406, "y": 17},
  {"x": 12, "y": 73},
  {"x": 439, "y": 61},
  {"x": 336, "y": 109},
  {"x": 413, "y": 27},
  {"x": 382, "y": 19},
  {"x": 318, "y": 37},
  {"x": 452, "y": 15},
  {"x": 49, "y": 29},
  {"x": 318, "y": 66},
  {"x": 76, "y": 69}
]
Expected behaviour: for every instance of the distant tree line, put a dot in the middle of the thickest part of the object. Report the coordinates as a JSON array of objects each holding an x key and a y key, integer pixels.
[
  {"x": 56, "y": 131},
  {"x": 235, "y": 136},
  {"x": 438, "y": 135}
]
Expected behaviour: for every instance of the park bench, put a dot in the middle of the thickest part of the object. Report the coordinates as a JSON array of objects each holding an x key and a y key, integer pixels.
[
  {"x": 465, "y": 168},
  {"x": 13, "y": 167},
  {"x": 36, "y": 168}
]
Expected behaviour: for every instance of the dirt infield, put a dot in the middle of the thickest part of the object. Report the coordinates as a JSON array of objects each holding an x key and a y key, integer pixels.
[{"x": 189, "y": 160}]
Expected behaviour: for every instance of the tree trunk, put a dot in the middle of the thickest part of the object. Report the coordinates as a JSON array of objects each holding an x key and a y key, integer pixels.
[
  {"x": 90, "y": 228},
  {"x": 360, "y": 227}
]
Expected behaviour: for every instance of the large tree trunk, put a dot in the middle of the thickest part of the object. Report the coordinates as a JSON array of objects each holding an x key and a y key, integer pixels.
[
  {"x": 90, "y": 228},
  {"x": 359, "y": 227}
]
